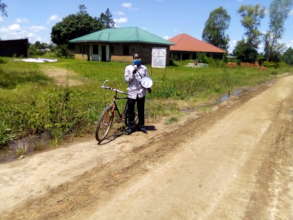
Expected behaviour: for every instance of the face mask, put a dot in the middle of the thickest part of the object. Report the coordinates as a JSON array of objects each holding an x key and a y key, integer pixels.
[{"x": 137, "y": 62}]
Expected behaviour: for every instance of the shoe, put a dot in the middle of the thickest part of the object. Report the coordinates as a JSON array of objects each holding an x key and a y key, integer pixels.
[
  {"x": 128, "y": 131},
  {"x": 143, "y": 129}
]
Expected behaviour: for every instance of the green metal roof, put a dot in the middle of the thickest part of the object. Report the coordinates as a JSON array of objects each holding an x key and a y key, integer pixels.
[{"x": 122, "y": 35}]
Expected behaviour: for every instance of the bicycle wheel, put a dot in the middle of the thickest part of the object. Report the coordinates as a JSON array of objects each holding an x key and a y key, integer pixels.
[{"x": 104, "y": 124}]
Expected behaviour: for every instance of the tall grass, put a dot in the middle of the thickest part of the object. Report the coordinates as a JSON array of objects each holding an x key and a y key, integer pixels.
[
  {"x": 31, "y": 104},
  {"x": 13, "y": 74}
]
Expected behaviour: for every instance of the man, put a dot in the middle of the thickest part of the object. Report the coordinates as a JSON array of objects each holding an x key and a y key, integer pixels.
[{"x": 136, "y": 93}]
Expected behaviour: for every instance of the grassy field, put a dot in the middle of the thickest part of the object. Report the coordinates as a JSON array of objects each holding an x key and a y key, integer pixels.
[{"x": 32, "y": 104}]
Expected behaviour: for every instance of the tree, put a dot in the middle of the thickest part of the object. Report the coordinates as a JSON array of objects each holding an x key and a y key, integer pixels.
[
  {"x": 3, "y": 7},
  {"x": 251, "y": 19},
  {"x": 74, "y": 26},
  {"x": 245, "y": 52},
  {"x": 215, "y": 27},
  {"x": 279, "y": 11},
  {"x": 246, "y": 49},
  {"x": 82, "y": 9},
  {"x": 288, "y": 56},
  {"x": 106, "y": 19}
]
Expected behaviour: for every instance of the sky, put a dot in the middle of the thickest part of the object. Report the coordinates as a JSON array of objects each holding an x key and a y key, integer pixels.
[{"x": 34, "y": 19}]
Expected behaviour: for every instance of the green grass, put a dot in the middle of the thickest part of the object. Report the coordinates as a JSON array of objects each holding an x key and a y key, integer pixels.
[
  {"x": 13, "y": 74},
  {"x": 32, "y": 104}
]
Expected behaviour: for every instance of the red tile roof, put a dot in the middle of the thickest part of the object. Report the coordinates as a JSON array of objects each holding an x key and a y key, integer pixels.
[{"x": 185, "y": 42}]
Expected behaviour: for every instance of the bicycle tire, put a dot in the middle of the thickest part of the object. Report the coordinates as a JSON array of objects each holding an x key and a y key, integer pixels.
[{"x": 106, "y": 117}]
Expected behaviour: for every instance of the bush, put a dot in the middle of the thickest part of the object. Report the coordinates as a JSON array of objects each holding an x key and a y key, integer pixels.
[
  {"x": 63, "y": 51},
  {"x": 288, "y": 56},
  {"x": 245, "y": 52},
  {"x": 271, "y": 64},
  {"x": 58, "y": 111}
]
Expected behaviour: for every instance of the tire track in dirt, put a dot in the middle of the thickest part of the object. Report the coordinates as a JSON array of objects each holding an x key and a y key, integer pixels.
[{"x": 98, "y": 186}]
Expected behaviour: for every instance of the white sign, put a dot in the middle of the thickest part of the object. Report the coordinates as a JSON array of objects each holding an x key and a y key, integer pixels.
[{"x": 159, "y": 57}]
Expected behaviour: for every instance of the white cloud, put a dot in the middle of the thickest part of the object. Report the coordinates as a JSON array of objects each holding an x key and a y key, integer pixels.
[
  {"x": 22, "y": 20},
  {"x": 37, "y": 28},
  {"x": 121, "y": 20},
  {"x": 1, "y": 19},
  {"x": 54, "y": 18},
  {"x": 127, "y": 5},
  {"x": 232, "y": 45},
  {"x": 289, "y": 44},
  {"x": 15, "y": 31},
  {"x": 291, "y": 13},
  {"x": 14, "y": 27},
  {"x": 166, "y": 37},
  {"x": 120, "y": 13}
]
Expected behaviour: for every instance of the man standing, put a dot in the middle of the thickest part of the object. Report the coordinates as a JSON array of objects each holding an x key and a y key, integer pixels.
[{"x": 136, "y": 93}]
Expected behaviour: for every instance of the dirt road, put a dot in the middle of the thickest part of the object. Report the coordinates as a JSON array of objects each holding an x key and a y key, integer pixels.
[
  {"x": 233, "y": 163},
  {"x": 61, "y": 76}
]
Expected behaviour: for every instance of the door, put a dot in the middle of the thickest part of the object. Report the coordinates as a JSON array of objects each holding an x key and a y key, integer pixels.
[{"x": 104, "y": 57}]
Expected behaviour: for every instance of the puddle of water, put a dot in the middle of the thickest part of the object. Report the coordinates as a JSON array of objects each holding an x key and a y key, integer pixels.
[{"x": 226, "y": 97}]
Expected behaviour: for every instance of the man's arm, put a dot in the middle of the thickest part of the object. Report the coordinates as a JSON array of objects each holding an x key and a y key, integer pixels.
[{"x": 128, "y": 75}]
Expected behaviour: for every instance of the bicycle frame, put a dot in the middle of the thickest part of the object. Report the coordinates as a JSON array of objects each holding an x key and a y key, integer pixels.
[{"x": 115, "y": 106}]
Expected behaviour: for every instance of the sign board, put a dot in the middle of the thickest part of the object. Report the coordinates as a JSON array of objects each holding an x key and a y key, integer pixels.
[{"x": 159, "y": 57}]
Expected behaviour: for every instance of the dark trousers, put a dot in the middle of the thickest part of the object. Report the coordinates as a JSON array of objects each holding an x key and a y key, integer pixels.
[{"x": 130, "y": 115}]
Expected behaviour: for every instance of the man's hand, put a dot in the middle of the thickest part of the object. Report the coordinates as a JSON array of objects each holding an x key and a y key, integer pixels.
[{"x": 135, "y": 69}]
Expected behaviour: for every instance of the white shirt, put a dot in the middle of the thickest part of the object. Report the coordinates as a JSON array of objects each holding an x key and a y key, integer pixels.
[{"x": 134, "y": 86}]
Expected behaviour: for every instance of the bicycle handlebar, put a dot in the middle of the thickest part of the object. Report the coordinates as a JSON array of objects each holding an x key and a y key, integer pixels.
[{"x": 112, "y": 89}]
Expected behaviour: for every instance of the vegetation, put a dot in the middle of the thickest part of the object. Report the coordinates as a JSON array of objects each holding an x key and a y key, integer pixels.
[
  {"x": 3, "y": 7},
  {"x": 32, "y": 104},
  {"x": 279, "y": 11},
  {"x": 246, "y": 50},
  {"x": 79, "y": 24},
  {"x": 106, "y": 19},
  {"x": 215, "y": 27},
  {"x": 288, "y": 56},
  {"x": 39, "y": 49}
]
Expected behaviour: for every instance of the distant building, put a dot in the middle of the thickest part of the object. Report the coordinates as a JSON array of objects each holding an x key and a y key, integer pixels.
[
  {"x": 187, "y": 47},
  {"x": 118, "y": 44},
  {"x": 11, "y": 48}
]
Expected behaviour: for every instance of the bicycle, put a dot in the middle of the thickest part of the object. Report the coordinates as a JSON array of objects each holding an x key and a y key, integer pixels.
[{"x": 107, "y": 117}]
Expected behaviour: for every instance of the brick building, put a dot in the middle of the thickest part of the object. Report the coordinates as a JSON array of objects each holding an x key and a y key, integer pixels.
[
  {"x": 187, "y": 47},
  {"x": 118, "y": 44}
]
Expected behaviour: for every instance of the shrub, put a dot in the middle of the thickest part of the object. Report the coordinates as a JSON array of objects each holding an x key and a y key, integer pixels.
[
  {"x": 63, "y": 51},
  {"x": 288, "y": 56},
  {"x": 271, "y": 64}
]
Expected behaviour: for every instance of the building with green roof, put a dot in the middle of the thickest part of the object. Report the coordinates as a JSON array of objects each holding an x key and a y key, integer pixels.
[{"x": 119, "y": 44}]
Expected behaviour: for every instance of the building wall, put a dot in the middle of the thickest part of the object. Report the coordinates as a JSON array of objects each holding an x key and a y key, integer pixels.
[
  {"x": 10, "y": 48},
  {"x": 122, "y": 52},
  {"x": 186, "y": 55}
]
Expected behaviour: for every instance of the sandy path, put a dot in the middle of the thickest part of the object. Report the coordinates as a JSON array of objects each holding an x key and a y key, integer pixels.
[
  {"x": 215, "y": 175},
  {"x": 231, "y": 164},
  {"x": 62, "y": 77}
]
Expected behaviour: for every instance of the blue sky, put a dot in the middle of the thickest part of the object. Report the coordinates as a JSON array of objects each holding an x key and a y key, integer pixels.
[{"x": 35, "y": 18}]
